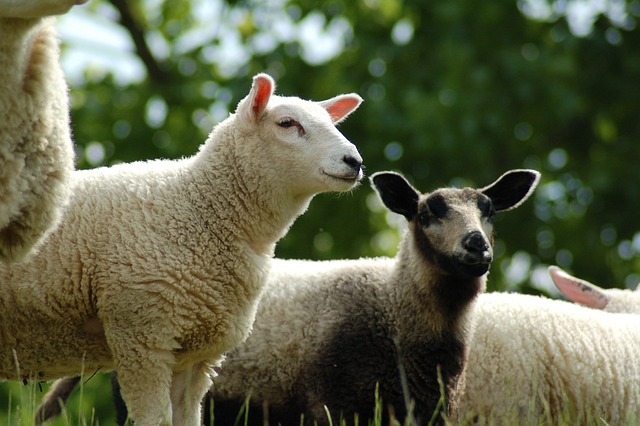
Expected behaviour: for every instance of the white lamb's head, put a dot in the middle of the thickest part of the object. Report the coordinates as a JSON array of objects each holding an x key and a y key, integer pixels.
[
  {"x": 590, "y": 295},
  {"x": 452, "y": 227},
  {"x": 298, "y": 139}
]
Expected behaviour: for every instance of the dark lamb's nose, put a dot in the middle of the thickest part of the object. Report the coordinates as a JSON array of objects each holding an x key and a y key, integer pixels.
[
  {"x": 475, "y": 243},
  {"x": 354, "y": 163}
]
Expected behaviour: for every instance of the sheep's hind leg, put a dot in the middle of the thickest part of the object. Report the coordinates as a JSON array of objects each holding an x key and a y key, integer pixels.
[{"x": 187, "y": 391}]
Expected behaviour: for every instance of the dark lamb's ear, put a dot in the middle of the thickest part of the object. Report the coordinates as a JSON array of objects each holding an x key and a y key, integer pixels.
[
  {"x": 396, "y": 193},
  {"x": 511, "y": 189}
]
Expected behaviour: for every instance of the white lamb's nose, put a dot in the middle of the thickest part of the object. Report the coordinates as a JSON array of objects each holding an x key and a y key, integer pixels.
[{"x": 353, "y": 162}]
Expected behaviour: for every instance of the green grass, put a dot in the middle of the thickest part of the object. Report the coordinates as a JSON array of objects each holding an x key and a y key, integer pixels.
[{"x": 91, "y": 404}]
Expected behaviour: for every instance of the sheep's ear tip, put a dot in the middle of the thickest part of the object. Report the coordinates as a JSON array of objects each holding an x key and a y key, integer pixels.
[
  {"x": 535, "y": 175},
  {"x": 531, "y": 172},
  {"x": 553, "y": 269},
  {"x": 380, "y": 175},
  {"x": 263, "y": 75}
]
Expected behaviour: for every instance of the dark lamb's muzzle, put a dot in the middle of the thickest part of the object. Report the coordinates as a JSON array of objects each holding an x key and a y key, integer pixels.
[{"x": 478, "y": 255}]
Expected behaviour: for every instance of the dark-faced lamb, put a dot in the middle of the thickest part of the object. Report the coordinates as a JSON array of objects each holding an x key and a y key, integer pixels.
[
  {"x": 329, "y": 333},
  {"x": 156, "y": 267}
]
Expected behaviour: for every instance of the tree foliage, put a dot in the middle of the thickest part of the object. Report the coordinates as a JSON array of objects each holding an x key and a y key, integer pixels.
[{"x": 456, "y": 93}]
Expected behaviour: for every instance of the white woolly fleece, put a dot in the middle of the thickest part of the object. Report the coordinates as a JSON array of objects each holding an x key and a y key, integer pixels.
[
  {"x": 529, "y": 351},
  {"x": 36, "y": 151}
]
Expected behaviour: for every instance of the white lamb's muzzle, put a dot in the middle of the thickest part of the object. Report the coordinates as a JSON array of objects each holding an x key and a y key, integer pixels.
[{"x": 348, "y": 169}]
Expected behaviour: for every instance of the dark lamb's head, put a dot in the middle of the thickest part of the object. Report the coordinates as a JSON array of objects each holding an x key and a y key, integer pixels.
[{"x": 453, "y": 227}]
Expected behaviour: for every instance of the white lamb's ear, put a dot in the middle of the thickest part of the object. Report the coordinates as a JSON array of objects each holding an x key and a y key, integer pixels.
[
  {"x": 577, "y": 290},
  {"x": 339, "y": 107},
  {"x": 251, "y": 108}
]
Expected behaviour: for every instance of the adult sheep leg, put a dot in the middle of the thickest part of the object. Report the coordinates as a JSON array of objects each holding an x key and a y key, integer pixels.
[{"x": 36, "y": 151}]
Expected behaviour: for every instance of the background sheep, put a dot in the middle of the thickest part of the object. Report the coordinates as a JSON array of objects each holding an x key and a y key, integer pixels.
[
  {"x": 588, "y": 294},
  {"x": 156, "y": 266},
  {"x": 36, "y": 151},
  {"x": 533, "y": 358}
]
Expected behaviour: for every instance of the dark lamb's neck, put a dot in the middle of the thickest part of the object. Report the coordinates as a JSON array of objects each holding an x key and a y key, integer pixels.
[{"x": 432, "y": 335}]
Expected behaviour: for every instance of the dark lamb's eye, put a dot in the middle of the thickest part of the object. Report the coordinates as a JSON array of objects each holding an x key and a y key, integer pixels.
[
  {"x": 423, "y": 218},
  {"x": 486, "y": 207}
]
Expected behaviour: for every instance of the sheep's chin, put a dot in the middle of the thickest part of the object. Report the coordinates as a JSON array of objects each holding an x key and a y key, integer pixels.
[
  {"x": 473, "y": 269},
  {"x": 349, "y": 180}
]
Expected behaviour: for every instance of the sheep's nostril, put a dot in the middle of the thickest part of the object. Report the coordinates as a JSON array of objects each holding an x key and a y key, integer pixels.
[
  {"x": 353, "y": 162},
  {"x": 475, "y": 243}
]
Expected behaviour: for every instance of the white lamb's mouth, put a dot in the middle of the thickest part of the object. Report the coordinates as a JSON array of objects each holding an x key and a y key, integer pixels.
[{"x": 345, "y": 178}]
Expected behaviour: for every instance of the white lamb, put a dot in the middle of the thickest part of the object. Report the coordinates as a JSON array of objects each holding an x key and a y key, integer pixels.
[
  {"x": 156, "y": 267},
  {"x": 588, "y": 294},
  {"x": 533, "y": 358},
  {"x": 36, "y": 151}
]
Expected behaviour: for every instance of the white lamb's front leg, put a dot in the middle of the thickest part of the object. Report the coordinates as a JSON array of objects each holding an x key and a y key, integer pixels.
[
  {"x": 187, "y": 391},
  {"x": 145, "y": 382},
  {"x": 142, "y": 347},
  {"x": 36, "y": 8}
]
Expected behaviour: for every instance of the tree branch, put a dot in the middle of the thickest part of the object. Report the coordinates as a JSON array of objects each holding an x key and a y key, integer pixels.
[{"x": 155, "y": 71}]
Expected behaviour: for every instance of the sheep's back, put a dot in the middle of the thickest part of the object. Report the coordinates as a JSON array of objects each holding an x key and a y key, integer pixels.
[{"x": 529, "y": 351}]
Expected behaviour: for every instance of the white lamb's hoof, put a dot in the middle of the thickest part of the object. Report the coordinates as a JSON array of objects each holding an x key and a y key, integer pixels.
[{"x": 36, "y": 8}]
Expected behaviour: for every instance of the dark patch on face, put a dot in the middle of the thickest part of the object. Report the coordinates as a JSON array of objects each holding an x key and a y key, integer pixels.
[{"x": 437, "y": 206}]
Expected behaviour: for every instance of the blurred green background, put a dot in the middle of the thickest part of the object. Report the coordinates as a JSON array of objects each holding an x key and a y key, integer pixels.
[{"x": 456, "y": 92}]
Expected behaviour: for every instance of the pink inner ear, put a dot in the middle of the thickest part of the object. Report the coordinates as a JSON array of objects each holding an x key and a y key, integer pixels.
[
  {"x": 341, "y": 108},
  {"x": 263, "y": 93},
  {"x": 578, "y": 290}
]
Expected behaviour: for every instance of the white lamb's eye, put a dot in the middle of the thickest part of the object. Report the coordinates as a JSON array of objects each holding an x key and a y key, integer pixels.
[
  {"x": 289, "y": 122},
  {"x": 286, "y": 122}
]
